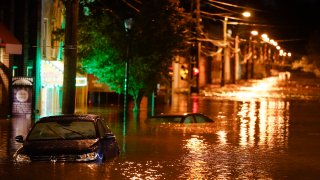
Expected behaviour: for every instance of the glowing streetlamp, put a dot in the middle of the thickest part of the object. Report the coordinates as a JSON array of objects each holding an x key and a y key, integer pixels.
[
  {"x": 127, "y": 25},
  {"x": 251, "y": 50},
  {"x": 226, "y": 58},
  {"x": 246, "y": 14},
  {"x": 265, "y": 37},
  {"x": 254, "y": 32}
]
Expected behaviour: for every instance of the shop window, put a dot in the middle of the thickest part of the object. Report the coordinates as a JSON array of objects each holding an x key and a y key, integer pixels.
[
  {"x": 14, "y": 71},
  {"x": 29, "y": 71},
  {"x": 45, "y": 36}
]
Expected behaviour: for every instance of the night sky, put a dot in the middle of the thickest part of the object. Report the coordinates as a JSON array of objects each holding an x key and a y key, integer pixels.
[{"x": 291, "y": 21}]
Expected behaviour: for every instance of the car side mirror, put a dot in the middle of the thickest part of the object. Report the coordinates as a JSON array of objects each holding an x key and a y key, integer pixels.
[
  {"x": 19, "y": 139},
  {"x": 109, "y": 136}
]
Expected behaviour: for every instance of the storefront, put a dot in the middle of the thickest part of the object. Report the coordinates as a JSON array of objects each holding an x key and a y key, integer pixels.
[{"x": 51, "y": 90}]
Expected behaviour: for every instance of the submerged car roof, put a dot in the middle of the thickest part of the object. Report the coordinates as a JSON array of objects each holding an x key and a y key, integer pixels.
[
  {"x": 174, "y": 114},
  {"x": 70, "y": 117}
]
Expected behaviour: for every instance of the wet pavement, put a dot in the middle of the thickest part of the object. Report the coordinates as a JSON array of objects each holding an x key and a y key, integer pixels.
[{"x": 266, "y": 129}]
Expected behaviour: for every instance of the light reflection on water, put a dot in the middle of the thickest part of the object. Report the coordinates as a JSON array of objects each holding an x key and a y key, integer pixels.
[
  {"x": 265, "y": 122},
  {"x": 251, "y": 138}
]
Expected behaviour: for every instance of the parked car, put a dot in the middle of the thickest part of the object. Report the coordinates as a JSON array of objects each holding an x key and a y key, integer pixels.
[
  {"x": 68, "y": 138},
  {"x": 180, "y": 118}
]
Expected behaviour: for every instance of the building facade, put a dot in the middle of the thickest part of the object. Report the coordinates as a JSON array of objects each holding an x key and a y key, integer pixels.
[{"x": 37, "y": 28}]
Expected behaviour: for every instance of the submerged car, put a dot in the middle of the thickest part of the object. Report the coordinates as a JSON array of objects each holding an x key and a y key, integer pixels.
[
  {"x": 180, "y": 118},
  {"x": 68, "y": 138}
]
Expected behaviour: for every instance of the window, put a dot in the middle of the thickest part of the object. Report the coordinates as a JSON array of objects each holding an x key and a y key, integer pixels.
[
  {"x": 101, "y": 128},
  {"x": 188, "y": 119},
  {"x": 29, "y": 71},
  {"x": 63, "y": 130},
  {"x": 202, "y": 119},
  {"x": 14, "y": 71},
  {"x": 45, "y": 37}
]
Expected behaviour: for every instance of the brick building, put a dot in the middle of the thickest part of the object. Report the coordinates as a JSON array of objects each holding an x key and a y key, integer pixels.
[{"x": 9, "y": 47}]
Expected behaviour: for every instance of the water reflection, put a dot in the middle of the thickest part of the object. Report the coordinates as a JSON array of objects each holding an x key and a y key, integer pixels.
[
  {"x": 265, "y": 123},
  {"x": 253, "y": 137},
  {"x": 4, "y": 140},
  {"x": 195, "y": 159}
]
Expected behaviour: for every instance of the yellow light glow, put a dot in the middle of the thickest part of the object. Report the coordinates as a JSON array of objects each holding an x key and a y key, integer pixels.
[
  {"x": 254, "y": 32},
  {"x": 265, "y": 37},
  {"x": 246, "y": 14},
  {"x": 281, "y": 52}
]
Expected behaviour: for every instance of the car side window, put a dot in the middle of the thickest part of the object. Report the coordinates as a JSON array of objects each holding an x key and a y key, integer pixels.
[
  {"x": 101, "y": 128},
  {"x": 201, "y": 119},
  {"x": 188, "y": 119}
]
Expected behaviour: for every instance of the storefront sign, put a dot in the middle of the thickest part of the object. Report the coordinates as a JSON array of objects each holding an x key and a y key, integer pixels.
[{"x": 22, "y": 88}]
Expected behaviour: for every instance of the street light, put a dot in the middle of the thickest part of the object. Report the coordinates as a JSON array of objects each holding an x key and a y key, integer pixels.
[
  {"x": 127, "y": 25},
  {"x": 225, "y": 58},
  {"x": 246, "y": 14},
  {"x": 237, "y": 69},
  {"x": 252, "y": 50}
]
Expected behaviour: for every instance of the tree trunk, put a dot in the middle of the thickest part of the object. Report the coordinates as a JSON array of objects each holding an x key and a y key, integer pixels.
[
  {"x": 70, "y": 57},
  {"x": 137, "y": 101}
]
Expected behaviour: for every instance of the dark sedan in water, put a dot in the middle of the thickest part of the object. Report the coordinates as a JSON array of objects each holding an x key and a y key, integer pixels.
[
  {"x": 68, "y": 138},
  {"x": 180, "y": 118}
]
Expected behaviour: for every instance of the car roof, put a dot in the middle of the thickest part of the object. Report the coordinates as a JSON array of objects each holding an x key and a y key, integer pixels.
[
  {"x": 175, "y": 114},
  {"x": 70, "y": 117}
]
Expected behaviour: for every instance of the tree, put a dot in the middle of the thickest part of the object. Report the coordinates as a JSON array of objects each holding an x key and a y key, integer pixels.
[
  {"x": 311, "y": 62},
  {"x": 158, "y": 34}
]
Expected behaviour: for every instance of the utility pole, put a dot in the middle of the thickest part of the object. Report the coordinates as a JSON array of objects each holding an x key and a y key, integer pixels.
[
  {"x": 70, "y": 57},
  {"x": 225, "y": 54},
  {"x": 198, "y": 44},
  {"x": 253, "y": 51},
  {"x": 236, "y": 60}
]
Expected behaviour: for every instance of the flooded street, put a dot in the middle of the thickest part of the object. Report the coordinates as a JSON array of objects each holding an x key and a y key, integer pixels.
[{"x": 269, "y": 129}]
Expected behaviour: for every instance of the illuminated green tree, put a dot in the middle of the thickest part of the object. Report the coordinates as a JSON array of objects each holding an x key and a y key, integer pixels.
[{"x": 158, "y": 33}]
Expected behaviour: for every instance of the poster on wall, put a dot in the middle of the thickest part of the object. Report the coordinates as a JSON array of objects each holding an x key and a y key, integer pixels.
[{"x": 22, "y": 88}]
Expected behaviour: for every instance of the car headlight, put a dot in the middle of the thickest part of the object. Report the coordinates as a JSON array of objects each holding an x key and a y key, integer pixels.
[
  {"x": 21, "y": 158},
  {"x": 87, "y": 156}
]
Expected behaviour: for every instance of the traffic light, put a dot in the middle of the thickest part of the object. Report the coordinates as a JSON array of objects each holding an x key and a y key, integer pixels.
[
  {"x": 183, "y": 72},
  {"x": 195, "y": 71}
]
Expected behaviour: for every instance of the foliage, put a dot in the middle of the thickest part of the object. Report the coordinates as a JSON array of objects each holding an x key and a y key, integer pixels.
[
  {"x": 157, "y": 35},
  {"x": 311, "y": 62}
]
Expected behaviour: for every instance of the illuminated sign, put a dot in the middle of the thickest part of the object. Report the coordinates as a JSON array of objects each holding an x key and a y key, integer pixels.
[{"x": 52, "y": 74}]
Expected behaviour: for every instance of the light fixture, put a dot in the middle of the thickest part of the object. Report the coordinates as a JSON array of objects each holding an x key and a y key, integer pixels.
[
  {"x": 246, "y": 14},
  {"x": 254, "y": 32}
]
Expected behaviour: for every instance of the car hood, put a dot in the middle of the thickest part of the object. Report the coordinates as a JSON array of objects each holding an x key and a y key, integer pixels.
[{"x": 56, "y": 147}]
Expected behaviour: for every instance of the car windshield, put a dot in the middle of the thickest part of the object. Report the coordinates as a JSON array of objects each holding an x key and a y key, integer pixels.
[
  {"x": 63, "y": 130},
  {"x": 166, "y": 119}
]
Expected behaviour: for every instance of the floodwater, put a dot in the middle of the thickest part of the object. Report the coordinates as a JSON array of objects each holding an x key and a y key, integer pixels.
[{"x": 266, "y": 130}]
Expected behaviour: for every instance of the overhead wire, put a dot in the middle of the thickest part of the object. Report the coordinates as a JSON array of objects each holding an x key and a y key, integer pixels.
[
  {"x": 131, "y": 6},
  {"x": 233, "y": 5}
]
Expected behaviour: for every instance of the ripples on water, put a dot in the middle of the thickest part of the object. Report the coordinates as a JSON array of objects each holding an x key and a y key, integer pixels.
[{"x": 251, "y": 138}]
